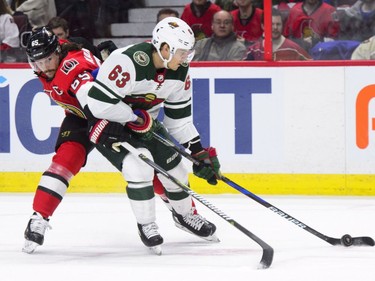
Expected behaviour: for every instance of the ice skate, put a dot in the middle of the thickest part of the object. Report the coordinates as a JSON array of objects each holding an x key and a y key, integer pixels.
[
  {"x": 150, "y": 237},
  {"x": 34, "y": 233},
  {"x": 197, "y": 225}
]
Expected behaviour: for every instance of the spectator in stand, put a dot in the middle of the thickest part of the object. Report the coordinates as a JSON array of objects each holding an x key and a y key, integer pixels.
[
  {"x": 223, "y": 44},
  {"x": 39, "y": 12},
  {"x": 282, "y": 48},
  {"x": 365, "y": 51},
  {"x": 59, "y": 26},
  {"x": 198, "y": 15},
  {"x": 9, "y": 33},
  {"x": 166, "y": 12},
  {"x": 247, "y": 21},
  {"x": 284, "y": 7},
  {"x": 357, "y": 22},
  {"x": 227, "y": 5},
  {"x": 310, "y": 22}
]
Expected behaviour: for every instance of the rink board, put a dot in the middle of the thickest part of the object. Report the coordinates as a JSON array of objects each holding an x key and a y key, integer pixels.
[
  {"x": 277, "y": 184},
  {"x": 278, "y": 129}
]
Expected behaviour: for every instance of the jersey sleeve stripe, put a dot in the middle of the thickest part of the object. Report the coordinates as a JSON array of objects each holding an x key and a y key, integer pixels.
[
  {"x": 178, "y": 113},
  {"x": 107, "y": 90},
  {"x": 97, "y": 94},
  {"x": 176, "y": 104}
]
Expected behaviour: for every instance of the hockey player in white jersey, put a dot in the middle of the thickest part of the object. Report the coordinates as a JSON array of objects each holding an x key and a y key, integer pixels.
[{"x": 130, "y": 88}]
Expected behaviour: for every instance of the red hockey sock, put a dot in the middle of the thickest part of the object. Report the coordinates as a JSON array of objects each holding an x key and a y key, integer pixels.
[
  {"x": 54, "y": 182},
  {"x": 45, "y": 203},
  {"x": 158, "y": 186}
]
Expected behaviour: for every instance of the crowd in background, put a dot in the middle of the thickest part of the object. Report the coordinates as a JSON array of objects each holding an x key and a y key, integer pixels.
[
  {"x": 301, "y": 29},
  {"x": 224, "y": 29}
]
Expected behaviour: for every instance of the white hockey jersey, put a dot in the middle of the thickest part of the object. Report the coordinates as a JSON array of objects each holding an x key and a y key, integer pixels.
[{"x": 128, "y": 80}]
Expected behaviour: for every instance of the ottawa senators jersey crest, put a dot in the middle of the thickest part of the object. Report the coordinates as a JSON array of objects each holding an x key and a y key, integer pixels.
[{"x": 69, "y": 65}]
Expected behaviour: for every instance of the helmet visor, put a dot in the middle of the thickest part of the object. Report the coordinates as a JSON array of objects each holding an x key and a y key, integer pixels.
[{"x": 185, "y": 56}]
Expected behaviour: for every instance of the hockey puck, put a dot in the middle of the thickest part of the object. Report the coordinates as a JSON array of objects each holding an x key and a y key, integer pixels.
[{"x": 346, "y": 240}]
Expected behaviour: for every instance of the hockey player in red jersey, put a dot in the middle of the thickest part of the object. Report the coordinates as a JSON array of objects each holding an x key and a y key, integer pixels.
[{"x": 64, "y": 70}]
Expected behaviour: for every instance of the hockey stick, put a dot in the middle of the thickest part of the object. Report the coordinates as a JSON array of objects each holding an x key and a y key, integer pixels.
[
  {"x": 346, "y": 240},
  {"x": 267, "y": 256}
]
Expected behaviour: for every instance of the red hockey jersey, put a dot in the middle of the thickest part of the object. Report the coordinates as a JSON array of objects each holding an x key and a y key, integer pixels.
[{"x": 74, "y": 71}]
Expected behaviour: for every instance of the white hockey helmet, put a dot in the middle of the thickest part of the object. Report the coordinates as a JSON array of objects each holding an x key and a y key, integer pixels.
[{"x": 177, "y": 34}]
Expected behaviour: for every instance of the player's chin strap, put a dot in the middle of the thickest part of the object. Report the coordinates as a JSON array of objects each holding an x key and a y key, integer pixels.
[{"x": 165, "y": 62}]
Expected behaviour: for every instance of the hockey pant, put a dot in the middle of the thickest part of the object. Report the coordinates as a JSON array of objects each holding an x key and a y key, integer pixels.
[{"x": 139, "y": 176}]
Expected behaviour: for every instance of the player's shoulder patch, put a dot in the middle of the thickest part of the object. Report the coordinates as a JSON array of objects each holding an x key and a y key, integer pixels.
[
  {"x": 68, "y": 65},
  {"x": 74, "y": 64},
  {"x": 139, "y": 51},
  {"x": 141, "y": 58}
]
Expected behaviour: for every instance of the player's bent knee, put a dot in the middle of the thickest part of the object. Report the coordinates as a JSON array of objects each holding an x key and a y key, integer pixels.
[
  {"x": 179, "y": 172},
  {"x": 136, "y": 170}
]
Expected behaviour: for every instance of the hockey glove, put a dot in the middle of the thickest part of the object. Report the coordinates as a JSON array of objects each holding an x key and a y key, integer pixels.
[
  {"x": 109, "y": 134},
  {"x": 142, "y": 131},
  {"x": 106, "y": 48},
  {"x": 209, "y": 169}
]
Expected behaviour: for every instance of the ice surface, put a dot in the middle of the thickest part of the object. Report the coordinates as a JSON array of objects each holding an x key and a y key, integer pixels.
[{"x": 94, "y": 237}]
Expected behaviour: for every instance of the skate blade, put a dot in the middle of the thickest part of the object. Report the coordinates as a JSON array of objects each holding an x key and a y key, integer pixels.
[
  {"x": 212, "y": 238},
  {"x": 29, "y": 247},
  {"x": 156, "y": 250}
]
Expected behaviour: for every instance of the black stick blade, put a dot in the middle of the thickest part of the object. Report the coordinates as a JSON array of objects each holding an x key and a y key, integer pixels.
[
  {"x": 267, "y": 258},
  {"x": 363, "y": 241},
  {"x": 347, "y": 241}
]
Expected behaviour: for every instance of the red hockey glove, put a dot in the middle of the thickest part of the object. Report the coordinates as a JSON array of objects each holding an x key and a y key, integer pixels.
[
  {"x": 209, "y": 169},
  {"x": 142, "y": 131}
]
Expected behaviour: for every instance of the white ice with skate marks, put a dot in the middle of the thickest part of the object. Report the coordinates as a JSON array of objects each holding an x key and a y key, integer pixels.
[{"x": 95, "y": 237}]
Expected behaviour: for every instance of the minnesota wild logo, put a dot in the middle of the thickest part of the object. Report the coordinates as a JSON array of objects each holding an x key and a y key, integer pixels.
[
  {"x": 173, "y": 24},
  {"x": 141, "y": 58},
  {"x": 150, "y": 97}
]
